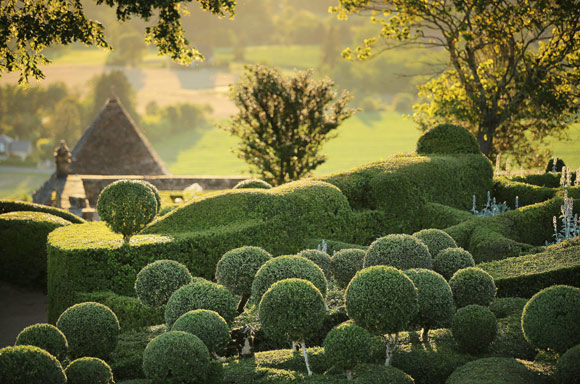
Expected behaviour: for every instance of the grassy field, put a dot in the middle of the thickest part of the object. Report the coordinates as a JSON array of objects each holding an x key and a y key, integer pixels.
[{"x": 15, "y": 185}]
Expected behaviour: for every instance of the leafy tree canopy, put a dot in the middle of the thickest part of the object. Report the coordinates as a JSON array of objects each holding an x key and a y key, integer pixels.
[
  {"x": 27, "y": 27},
  {"x": 514, "y": 72}
]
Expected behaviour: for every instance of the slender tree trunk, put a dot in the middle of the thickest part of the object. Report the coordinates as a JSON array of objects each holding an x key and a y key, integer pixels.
[
  {"x": 392, "y": 344},
  {"x": 242, "y": 304},
  {"x": 305, "y": 353},
  {"x": 126, "y": 239},
  {"x": 425, "y": 334}
]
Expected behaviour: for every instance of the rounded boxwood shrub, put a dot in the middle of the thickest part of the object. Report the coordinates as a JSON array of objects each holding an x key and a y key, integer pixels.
[
  {"x": 208, "y": 325},
  {"x": 45, "y": 336},
  {"x": 201, "y": 294},
  {"x": 551, "y": 319},
  {"x": 127, "y": 206},
  {"x": 399, "y": 251},
  {"x": 379, "y": 374},
  {"x": 436, "y": 307},
  {"x": 237, "y": 268},
  {"x": 26, "y": 364},
  {"x": 568, "y": 366},
  {"x": 496, "y": 370},
  {"x": 448, "y": 139},
  {"x": 381, "y": 299},
  {"x": 474, "y": 328},
  {"x": 346, "y": 263},
  {"x": 291, "y": 310},
  {"x": 436, "y": 240},
  {"x": 89, "y": 370},
  {"x": 347, "y": 345},
  {"x": 157, "y": 281},
  {"x": 153, "y": 189},
  {"x": 176, "y": 357},
  {"x": 287, "y": 267},
  {"x": 252, "y": 183},
  {"x": 319, "y": 258},
  {"x": 91, "y": 329},
  {"x": 559, "y": 165},
  {"x": 472, "y": 286},
  {"x": 451, "y": 260}
]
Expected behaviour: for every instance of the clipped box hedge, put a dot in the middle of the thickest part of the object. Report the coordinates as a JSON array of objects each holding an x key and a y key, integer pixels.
[
  {"x": 15, "y": 206},
  {"x": 23, "y": 246},
  {"x": 525, "y": 275}
]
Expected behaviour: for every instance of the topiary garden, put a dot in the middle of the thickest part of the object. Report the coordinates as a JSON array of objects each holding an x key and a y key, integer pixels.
[{"x": 407, "y": 286}]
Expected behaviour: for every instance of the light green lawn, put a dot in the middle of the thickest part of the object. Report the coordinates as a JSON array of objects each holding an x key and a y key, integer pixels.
[{"x": 14, "y": 185}]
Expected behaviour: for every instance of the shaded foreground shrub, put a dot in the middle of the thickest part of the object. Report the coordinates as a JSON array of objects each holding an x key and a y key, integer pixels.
[
  {"x": 347, "y": 345},
  {"x": 568, "y": 366},
  {"x": 208, "y": 325},
  {"x": 436, "y": 240},
  {"x": 474, "y": 328},
  {"x": 399, "y": 251},
  {"x": 319, "y": 258},
  {"x": 498, "y": 370},
  {"x": 447, "y": 138},
  {"x": 89, "y": 370},
  {"x": 472, "y": 286},
  {"x": 345, "y": 264},
  {"x": 451, "y": 260},
  {"x": 157, "y": 281},
  {"x": 45, "y": 336},
  {"x": 25, "y": 364}
]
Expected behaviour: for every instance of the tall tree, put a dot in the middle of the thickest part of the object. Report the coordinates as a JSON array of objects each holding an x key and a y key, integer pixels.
[
  {"x": 514, "y": 72},
  {"x": 27, "y": 27},
  {"x": 284, "y": 121}
]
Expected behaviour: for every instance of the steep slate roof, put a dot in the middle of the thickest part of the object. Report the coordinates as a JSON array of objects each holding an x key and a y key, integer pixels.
[{"x": 113, "y": 145}]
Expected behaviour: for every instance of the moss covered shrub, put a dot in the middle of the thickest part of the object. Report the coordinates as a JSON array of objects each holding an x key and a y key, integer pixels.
[
  {"x": 346, "y": 263},
  {"x": 319, "y": 258},
  {"x": 346, "y": 346},
  {"x": 91, "y": 329},
  {"x": 498, "y": 370},
  {"x": 237, "y": 268},
  {"x": 26, "y": 364},
  {"x": 436, "y": 306},
  {"x": 89, "y": 370},
  {"x": 45, "y": 336},
  {"x": 252, "y": 183},
  {"x": 287, "y": 267},
  {"x": 559, "y": 164},
  {"x": 448, "y": 139},
  {"x": 399, "y": 251},
  {"x": 201, "y": 294},
  {"x": 208, "y": 325},
  {"x": 23, "y": 246},
  {"x": 451, "y": 260},
  {"x": 127, "y": 206},
  {"x": 436, "y": 240},
  {"x": 551, "y": 318},
  {"x": 474, "y": 328},
  {"x": 176, "y": 357},
  {"x": 472, "y": 286},
  {"x": 568, "y": 366},
  {"x": 157, "y": 281}
]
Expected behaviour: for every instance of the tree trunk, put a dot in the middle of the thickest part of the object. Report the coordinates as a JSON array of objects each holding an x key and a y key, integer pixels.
[
  {"x": 126, "y": 239},
  {"x": 425, "y": 334},
  {"x": 349, "y": 374},
  {"x": 485, "y": 134},
  {"x": 305, "y": 353},
  {"x": 392, "y": 344},
  {"x": 242, "y": 304}
]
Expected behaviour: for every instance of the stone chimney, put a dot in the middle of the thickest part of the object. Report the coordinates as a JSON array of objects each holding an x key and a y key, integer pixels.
[{"x": 62, "y": 157}]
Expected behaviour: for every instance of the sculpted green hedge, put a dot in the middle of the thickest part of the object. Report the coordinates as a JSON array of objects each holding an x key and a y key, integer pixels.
[{"x": 17, "y": 206}]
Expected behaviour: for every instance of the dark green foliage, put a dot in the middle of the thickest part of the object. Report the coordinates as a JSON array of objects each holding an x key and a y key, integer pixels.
[
  {"x": 550, "y": 318},
  {"x": 474, "y": 328},
  {"x": 472, "y": 286},
  {"x": 345, "y": 264},
  {"x": 45, "y": 336},
  {"x": 14, "y": 206},
  {"x": 379, "y": 374},
  {"x": 334, "y": 245},
  {"x": 91, "y": 329},
  {"x": 291, "y": 310},
  {"x": 130, "y": 312},
  {"x": 287, "y": 267},
  {"x": 252, "y": 183},
  {"x": 447, "y": 139},
  {"x": 559, "y": 164},
  {"x": 284, "y": 121},
  {"x": 507, "y": 306},
  {"x": 23, "y": 246},
  {"x": 157, "y": 281},
  {"x": 237, "y": 268},
  {"x": 381, "y": 299},
  {"x": 127, "y": 206},
  {"x": 510, "y": 341},
  {"x": 201, "y": 294},
  {"x": 290, "y": 360},
  {"x": 506, "y": 190},
  {"x": 499, "y": 370},
  {"x": 176, "y": 357},
  {"x": 89, "y": 370},
  {"x": 550, "y": 180},
  {"x": 319, "y": 258},
  {"x": 451, "y": 260},
  {"x": 436, "y": 240},
  {"x": 436, "y": 307},
  {"x": 568, "y": 366},
  {"x": 25, "y": 364},
  {"x": 154, "y": 190},
  {"x": 347, "y": 345},
  {"x": 525, "y": 275},
  {"x": 209, "y": 326},
  {"x": 399, "y": 251}
]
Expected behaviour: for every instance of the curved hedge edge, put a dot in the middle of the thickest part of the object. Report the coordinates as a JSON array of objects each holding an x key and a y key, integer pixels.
[
  {"x": 526, "y": 275},
  {"x": 15, "y": 205},
  {"x": 506, "y": 190},
  {"x": 131, "y": 313},
  {"x": 332, "y": 245}
]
